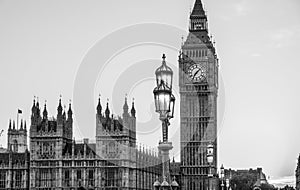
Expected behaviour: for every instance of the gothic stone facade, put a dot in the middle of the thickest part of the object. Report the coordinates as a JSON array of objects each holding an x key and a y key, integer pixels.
[
  {"x": 14, "y": 161},
  {"x": 113, "y": 162}
]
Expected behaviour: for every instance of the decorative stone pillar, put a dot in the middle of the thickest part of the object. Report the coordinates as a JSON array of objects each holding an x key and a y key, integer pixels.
[{"x": 165, "y": 147}]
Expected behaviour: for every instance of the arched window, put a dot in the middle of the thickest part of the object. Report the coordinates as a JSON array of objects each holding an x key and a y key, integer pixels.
[{"x": 15, "y": 146}]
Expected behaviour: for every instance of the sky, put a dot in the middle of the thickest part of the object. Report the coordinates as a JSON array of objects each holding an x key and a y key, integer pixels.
[{"x": 79, "y": 49}]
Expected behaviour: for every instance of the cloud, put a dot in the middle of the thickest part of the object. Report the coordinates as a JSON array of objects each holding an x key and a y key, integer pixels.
[
  {"x": 256, "y": 55},
  {"x": 241, "y": 8},
  {"x": 283, "y": 181},
  {"x": 284, "y": 37}
]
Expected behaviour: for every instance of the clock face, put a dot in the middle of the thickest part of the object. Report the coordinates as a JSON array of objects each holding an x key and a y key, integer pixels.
[{"x": 196, "y": 73}]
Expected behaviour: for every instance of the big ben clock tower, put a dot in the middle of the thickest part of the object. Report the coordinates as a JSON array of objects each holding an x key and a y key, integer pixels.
[{"x": 198, "y": 84}]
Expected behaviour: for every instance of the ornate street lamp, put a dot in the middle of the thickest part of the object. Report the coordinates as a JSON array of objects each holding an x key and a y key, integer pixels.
[
  {"x": 227, "y": 184},
  {"x": 210, "y": 160},
  {"x": 210, "y": 157},
  {"x": 222, "y": 176},
  {"x": 164, "y": 73},
  {"x": 156, "y": 185},
  {"x": 164, "y": 105},
  {"x": 162, "y": 98},
  {"x": 174, "y": 184},
  {"x": 165, "y": 185}
]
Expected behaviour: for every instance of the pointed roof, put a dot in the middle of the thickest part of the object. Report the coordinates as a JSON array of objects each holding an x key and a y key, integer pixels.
[
  {"x": 70, "y": 112},
  {"x": 45, "y": 112},
  {"x": 59, "y": 107},
  {"x": 9, "y": 128},
  {"x": 125, "y": 106},
  {"x": 33, "y": 106},
  {"x": 37, "y": 103},
  {"x": 99, "y": 107},
  {"x": 14, "y": 126},
  {"x": 198, "y": 10},
  {"x": 133, "y": 109},
  {"x": 21, "y": 128},
  {"x": 107, "y": 112},
  {"x": 37, "y": 106}
]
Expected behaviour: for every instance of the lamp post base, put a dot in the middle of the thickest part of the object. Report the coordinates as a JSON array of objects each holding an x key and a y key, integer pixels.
[{"x": 164, "y": 148}]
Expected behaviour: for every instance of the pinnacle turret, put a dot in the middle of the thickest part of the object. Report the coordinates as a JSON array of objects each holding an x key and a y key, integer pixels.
[
  {"x": 9, "y": 127},
  {"x": 64, "y": 113},
  {"x": 45, "y": 112},
  {"x": 33, "y": 106},
  {"x": 59, "y": 108},
  {"x": 37, "y": 103},
  {"x": 99, "y": 107},
  {"x": 107, "y": 112},
  {"x": 37, "y": 107},
  {"x": 70, "y": 112},
  {"x": 21, "y": 127},
  {"x": 125, "y": 106},
  {"x": 133, "y": 109}
]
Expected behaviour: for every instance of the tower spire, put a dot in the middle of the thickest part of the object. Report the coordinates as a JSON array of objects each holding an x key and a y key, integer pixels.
[
  {"x": 198, "y": 10},
  {"x": 45, "y": 112},
  {"x": 21, "y": 128},
  {"x": 133, "y": 109},
  {"x": 64, "y": 113},
  {"x": 99, "y": 107},
  {"x": 33, "y": 106},
  {"x": 70, "y": 112},
  {"x": 37, "y": 105},
  {"x": 198, "y": 18},
  {"x": 59, "y": 108},
  {"x": 107, "y": 112},
  {"x": 125, "y": 106},
  {"x": 9, "y": 127}
]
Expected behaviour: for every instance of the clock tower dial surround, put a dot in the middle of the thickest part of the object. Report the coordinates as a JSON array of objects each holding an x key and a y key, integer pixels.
[{"x": 198, "y": 86}]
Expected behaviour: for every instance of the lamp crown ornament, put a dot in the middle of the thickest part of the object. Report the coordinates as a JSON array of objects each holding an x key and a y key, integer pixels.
[{"x": 164, "y": 74}]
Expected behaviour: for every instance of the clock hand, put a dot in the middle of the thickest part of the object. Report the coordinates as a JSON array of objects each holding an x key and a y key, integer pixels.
[{"x": 196, "y": 73}]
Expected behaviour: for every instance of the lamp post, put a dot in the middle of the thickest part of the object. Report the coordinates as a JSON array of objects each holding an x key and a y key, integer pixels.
[
  {"x": 227, "y": 184},
  {"x": 164, "y": 105},
  {"x": 210, "y": 160},
  {"x": 222, "y": 177}
]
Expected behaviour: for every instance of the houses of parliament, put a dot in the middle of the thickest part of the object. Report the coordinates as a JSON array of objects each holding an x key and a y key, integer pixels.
[{"x": 54, "y": 160}]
